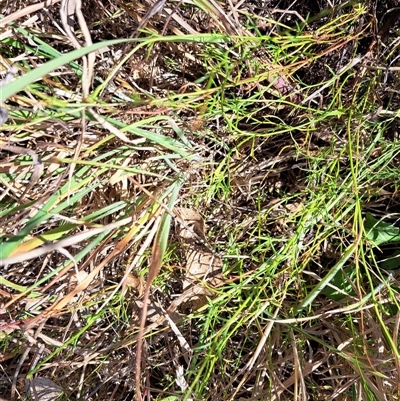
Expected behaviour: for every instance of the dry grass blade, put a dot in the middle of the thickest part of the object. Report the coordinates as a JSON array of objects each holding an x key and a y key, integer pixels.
[
  {"x": 219, "y": 16},
  {"x": 154, "y": 268},
  {"x": 57, "y": 307},
  {"x": 153, "y": 10},
  {"x": 248, "y": 368},
  {"x": 68, "y": 9},
  {"x": 162, "y": 228},
  {"x": 112, "y": 128},
  {"x": 38, "y": 165},
  {"x": 62, "y": 243},
  {"x": 27, "y": 10}
]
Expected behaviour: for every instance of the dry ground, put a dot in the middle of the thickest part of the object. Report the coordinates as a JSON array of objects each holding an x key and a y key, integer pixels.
[{"x": 206, "y": 212}]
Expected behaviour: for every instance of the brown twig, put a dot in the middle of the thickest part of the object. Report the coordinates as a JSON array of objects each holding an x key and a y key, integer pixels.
[{"x": 154, "y": 268}]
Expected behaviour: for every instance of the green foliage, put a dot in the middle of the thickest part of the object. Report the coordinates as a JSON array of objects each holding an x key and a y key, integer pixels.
[{"x": 379, "y": 232}]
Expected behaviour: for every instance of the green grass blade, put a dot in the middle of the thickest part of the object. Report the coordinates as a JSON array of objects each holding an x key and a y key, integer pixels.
[{"x": 330, "y": 275}]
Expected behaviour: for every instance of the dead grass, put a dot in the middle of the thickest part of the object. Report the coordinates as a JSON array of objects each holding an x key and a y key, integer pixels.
[{"x": 221, "y": 168}]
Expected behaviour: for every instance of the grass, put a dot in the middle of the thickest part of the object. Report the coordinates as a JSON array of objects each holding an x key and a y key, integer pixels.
[{"x": 277, "y": 127}]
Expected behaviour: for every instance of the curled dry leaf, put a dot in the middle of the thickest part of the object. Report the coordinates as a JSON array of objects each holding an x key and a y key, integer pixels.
[
  {"x": 203, "y": 267},
  {"x": 134, "y": 283}
]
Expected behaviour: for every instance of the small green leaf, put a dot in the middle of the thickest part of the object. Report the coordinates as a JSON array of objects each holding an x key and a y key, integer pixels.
[{"x": 380, "y": 232}]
